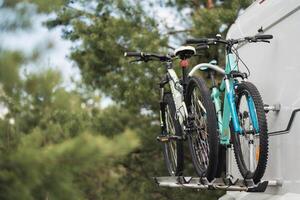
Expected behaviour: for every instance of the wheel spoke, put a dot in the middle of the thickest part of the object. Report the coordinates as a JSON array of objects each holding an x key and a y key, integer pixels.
[
  {"x": 171, "y": 145},
  {"x": 200, "y": 137},
  {"x": 249, "y": 141}
]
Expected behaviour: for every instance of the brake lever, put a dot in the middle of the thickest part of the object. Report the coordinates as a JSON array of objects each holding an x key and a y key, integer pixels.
[
  {"x": 250, "y": 40},
  {"x": 267, "y": 41}
]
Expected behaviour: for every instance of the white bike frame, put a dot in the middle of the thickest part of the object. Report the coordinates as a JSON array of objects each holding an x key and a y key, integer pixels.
[
  {"x": 177, "y": 90},
  {"x": 177, "y": 94}
]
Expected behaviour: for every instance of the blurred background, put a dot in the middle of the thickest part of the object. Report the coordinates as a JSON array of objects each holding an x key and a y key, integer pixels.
[{"x": 77, "y": 120}]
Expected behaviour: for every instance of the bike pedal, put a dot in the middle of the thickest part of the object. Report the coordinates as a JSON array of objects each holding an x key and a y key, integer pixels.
[
  {"x": 162, "y": 138},
  {"x": 167, "y": 138}
]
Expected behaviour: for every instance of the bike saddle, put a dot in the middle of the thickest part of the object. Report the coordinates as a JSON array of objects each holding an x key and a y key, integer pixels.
[{"x": 185, "y": 52}]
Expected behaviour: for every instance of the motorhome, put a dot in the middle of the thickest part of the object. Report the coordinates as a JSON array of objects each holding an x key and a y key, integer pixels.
[{"x": 275, "y": 70}]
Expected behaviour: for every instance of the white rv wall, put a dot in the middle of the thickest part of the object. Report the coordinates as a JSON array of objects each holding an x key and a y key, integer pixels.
[{"x": 275, "y": 70}]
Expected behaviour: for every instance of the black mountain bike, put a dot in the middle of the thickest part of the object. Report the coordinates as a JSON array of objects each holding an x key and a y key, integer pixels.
[{"x": 186, "y": 113}]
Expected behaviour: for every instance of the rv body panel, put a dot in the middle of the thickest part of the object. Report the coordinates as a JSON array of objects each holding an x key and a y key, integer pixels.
[{"x": 275, "y": 70}]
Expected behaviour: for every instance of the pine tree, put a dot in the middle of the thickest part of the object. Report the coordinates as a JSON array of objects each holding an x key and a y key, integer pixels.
[
  {"x": 54, "y": 143},
  {"x": 50, "y": 147}
]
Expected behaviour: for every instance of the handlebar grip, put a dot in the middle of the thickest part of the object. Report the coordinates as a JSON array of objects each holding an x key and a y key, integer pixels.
[
  {"x": 133, "y": 54},
  {"x": 264, "y": 37},
  {"x": 197, "y": 41}
]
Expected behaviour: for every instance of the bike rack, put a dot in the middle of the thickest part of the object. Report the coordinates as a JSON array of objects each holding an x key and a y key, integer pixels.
[
  {"x": 216, "y": 184},
  {"x": 227, "y": 184}
]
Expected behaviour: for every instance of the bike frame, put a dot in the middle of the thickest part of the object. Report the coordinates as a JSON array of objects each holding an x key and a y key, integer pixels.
[
  {"x": 227, "y": 86},
  {"x": 177, "y": 90}
]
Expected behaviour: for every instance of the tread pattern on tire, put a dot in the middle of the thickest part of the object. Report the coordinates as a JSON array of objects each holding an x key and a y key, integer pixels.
[
  {"x": 263, "y": 137},
  {"x": 179, "y": 144},
  {"x": 213, "y": 138}
]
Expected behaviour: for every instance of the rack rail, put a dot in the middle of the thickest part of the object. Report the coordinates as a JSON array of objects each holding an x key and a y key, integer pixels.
[{"x": 217, "y": 184}]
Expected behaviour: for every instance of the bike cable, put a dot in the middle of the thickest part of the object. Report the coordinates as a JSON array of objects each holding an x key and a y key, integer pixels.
[{"x": 235, "y": 51}]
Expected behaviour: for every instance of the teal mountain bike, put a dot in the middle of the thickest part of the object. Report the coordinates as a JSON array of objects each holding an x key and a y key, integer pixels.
[{"x": 241, "y": 119}]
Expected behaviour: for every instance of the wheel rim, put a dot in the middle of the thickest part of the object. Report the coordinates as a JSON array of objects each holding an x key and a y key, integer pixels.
[
  {"x": 248, "y": 141},
  {"x": 199, "y": 138}
]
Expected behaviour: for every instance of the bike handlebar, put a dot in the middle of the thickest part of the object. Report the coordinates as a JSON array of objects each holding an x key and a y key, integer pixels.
[
  {"x": 264, "y": 37},
  {"x": 132, "y": 54},
  {"x": 197, "y": 41},
  {"x": 143, "y": 56},
  {"x": 208, "y": 41}
]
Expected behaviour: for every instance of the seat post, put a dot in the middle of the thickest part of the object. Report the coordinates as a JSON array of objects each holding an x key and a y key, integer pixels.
[
  {"x": 184, "y": 64},
  {"x": 212, "y": 78}
]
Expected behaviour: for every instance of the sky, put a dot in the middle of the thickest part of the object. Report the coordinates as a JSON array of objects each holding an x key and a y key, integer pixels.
[
  {"x": 56, "y": 57},
  {"x": 40, "y": 37}
]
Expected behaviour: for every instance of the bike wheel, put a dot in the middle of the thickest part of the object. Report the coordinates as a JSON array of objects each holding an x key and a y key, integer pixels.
[
  {"x": 203, "y": 141},
  {"x": 173, "y": 149},
  {"x": 251, "y": 147}
]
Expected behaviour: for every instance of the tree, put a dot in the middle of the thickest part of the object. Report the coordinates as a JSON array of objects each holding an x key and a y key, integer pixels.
[
  {"x": 210, "y": 18},
  {"x": 104, "y": 32},
  {"x": 57, "y": 145},
  {"x": 49, "y": 146}
]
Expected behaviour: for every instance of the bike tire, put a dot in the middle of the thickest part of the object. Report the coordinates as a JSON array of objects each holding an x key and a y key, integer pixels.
[
  {"x": 261, "y": 154},
  {"x": 172, "y": 150},
  {"x": 206, "y": 131}
]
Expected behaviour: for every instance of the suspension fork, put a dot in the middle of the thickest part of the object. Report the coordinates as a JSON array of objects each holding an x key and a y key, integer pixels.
[
  {"x": 229, "y": 107},
  {"x": 253, "y": 114},
  {"x": 215, "y": 95},
  {"x": 162, "y": 104},
  {"x": 230, "y": 97}
]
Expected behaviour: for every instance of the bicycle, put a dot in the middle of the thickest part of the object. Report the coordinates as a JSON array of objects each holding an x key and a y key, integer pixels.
[
  {"x": 186, "y": 112},
  {"x": 242, "y": 121}
]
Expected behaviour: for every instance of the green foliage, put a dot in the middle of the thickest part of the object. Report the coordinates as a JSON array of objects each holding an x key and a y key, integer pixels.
[
  {"x": 43, "y": 6},
  {"x": 56, "y": 144},
  {"x": 37, "y": 170},
  {"x": 9, "y": 69},
  {"x": 207, "y": 22},
  {"x": 19, "y": 14},
  {"x": 104, "y": 33},
  {"x": 50, "y": 147},
  {"x": 52, "y": 142}
]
